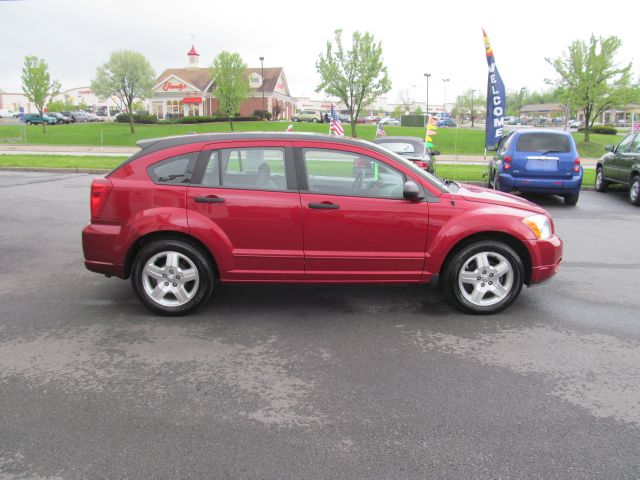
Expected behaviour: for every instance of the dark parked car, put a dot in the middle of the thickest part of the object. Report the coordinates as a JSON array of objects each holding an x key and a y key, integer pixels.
[
  {"x": 538, "y": 161},
  {"x": 446, "y": 122},
  {"x": 60, "y": 118},
  {"x": 621, "y": 165},
  {"x": 37, "y": 119},
  {"x": 411, "y": 148},
  {"x": 186, "y": 213}
]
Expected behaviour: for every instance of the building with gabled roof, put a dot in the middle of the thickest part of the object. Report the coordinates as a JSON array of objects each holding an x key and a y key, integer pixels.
[{"x": 189, "y": 91}]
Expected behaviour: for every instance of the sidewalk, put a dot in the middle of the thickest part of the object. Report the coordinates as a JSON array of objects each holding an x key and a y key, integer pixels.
[{"x": 76, "y": 150}]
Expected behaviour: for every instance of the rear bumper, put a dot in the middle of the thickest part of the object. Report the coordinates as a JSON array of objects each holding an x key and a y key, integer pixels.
[
  {"x": 541, "y": 185},
  {"x": 100, "y": 244},
  {"x": 546, "y": 256}
]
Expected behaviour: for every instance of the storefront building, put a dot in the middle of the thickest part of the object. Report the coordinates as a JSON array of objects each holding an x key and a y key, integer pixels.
[{"x": 189, "y": 91}]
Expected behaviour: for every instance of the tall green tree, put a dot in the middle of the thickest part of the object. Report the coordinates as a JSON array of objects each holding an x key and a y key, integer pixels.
[
  {"x": 356, "y": 76},
  {"x": 231, "y": 83},
  {"x": 592, "y": 80},
  {"x": 37, "y": 84},
  {"x": 128, "y": 76},
  {"x": 469, "y": 101}
]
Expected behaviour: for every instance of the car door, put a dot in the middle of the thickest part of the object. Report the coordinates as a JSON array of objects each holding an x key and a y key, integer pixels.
[
  {"x": 628, "y": 159},
  {"x": 619, "y": 159},
  {"x": 248, "y": 192},
  {"x": 357, "y": 225}
]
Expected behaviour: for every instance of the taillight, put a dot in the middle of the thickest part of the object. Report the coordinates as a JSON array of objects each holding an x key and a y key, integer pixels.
[
  {"x": 507, "y": 162},
  {"x": 100, "y": 189},
  {"x": 421, "y": 164},
  {"x": 576, "y": 166}
]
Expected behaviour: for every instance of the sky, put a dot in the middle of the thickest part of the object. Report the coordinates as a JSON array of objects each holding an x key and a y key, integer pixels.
[{"x": 443, "y": 38}]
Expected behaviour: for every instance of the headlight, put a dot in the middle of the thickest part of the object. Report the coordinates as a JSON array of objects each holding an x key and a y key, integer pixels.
[{"x": 539, "y": 225}]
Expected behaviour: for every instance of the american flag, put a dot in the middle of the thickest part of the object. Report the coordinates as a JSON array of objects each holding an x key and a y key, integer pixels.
[
  {"x": 380, "y": 131},
  {"x": 634, "y": 123},
  {"x": 335, "y": 127},
  {"x": 290, "y": 128}
]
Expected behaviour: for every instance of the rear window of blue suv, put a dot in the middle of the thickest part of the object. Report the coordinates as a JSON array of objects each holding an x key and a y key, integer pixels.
[{"x": 543, "y": 142}]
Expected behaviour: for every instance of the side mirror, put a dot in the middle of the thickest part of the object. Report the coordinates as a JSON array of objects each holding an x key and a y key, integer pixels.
[
  {"x": 435, "y": 152},
  {"x": 610, "y": 148},
  {"x": 412, "y": 191}
]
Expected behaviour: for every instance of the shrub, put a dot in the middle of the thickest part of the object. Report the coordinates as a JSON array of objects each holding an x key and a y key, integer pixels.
[
  {"x": 124, "y": 118},
  {"x": 602, "y": 129},
  {"x": 413, "y": 120},
  {"x": 261, "y": 114},
  {"x": 211, "y": 119}
]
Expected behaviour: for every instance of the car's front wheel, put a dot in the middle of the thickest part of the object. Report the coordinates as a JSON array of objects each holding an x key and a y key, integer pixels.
[
  {"x": 172, "y": 277},
  {"x": 634, "y": 191},
  {"x": 601, "y": 185},
  {"x": 315, "y": 120},
  {"x": 484, "y": 277}
]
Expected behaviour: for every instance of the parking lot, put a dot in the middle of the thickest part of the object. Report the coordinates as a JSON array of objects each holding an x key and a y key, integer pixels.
[{"x": 314, "y": 381}]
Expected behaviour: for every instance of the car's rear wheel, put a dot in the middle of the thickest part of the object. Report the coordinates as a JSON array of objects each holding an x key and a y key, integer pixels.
[
  {"x": 172, "y": 277},
  {"x": 315, "y": 120},
  {"x": 296, "y": 119},
  {"x": 484, "y": 277},
  {"x": 601, "y": 185},
  {"x": 571, "y": 199},
  {"x": 634, "y": 191},
  {"x": 28, "y": 122}
]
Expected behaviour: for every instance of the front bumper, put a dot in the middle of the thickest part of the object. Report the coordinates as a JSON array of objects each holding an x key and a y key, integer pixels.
[
  {"x": 556, "y": 186},
  {"x": 546, "y": 256}
]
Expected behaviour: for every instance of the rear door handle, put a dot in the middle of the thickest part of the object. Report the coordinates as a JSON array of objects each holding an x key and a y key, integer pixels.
[
  {"x": 209, "y": 199},
  {"x": 324, "y": 206}
]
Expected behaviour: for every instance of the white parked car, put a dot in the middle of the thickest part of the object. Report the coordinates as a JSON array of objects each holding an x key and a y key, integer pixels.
[
  {"x": 390, "y": 121},
  {"x": 7, "y": 114}
]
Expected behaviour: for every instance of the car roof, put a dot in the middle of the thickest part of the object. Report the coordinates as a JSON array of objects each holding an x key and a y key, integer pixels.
[
  {"x": 542, "y": 130},
  {"x": 398, "y": 139}
]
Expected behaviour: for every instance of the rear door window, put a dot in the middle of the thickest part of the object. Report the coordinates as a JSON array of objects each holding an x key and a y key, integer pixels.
[
  {"x": 252, "y": 168},
  {"x": 173, "y": 171},
  {"x": 543, "y": 142}
]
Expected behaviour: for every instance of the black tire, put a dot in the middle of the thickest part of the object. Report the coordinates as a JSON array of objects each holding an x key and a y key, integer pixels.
[
  {"x": 315, "y": 120},
  {"x": 454, "y": 266},
  {"x": 571, "y": 199},
  {"x": 28, "y": 122},
  {"x": 296, "y": 119},
  {"x": 601, "y": 185},
  {"x": 204, "y": 269},
  {"x": 634, "y": 191}
]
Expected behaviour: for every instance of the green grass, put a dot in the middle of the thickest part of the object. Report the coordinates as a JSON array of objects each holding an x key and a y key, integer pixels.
[
  {"x": 463, "y": 141},
  {"x": 60, "y": 161},
  {"x": 463, "y": 173}
]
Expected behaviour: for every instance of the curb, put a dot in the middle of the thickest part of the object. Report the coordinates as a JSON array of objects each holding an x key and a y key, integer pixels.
[
  {"x": 99, "y": 170},
  {"x": 55, "y": 170}
]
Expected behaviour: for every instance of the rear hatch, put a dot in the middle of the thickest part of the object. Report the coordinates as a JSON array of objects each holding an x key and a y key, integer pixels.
[{"x": 544, "y": 155}]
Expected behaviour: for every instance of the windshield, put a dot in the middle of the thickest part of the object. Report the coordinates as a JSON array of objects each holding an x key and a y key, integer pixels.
[
  {"x": 417, "y": 170},
  {"x": 398, "y": 147}
]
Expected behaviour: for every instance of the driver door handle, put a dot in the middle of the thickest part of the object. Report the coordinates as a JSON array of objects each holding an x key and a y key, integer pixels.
[
  {"x": 324, "y": 206},
  {"x": 209, "y": 199}
]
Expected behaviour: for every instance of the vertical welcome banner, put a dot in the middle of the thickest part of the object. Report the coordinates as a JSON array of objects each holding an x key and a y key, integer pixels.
[{"x": 495, "y": 100}]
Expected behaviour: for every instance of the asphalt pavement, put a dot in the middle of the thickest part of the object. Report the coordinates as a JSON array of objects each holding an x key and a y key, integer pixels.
[{"x": 314, "y": 381}]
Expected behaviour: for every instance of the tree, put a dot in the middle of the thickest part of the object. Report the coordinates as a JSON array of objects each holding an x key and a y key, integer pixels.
[
  {"x": 592, "y": 80},
  {"x": 405, "y": 99},
  {"x": 37, "y": 84},
  {"x": 464, "y": 105},
  {"x": 357, "y": 76},
  {"x": 231, "y": 84},
  {"x": 418, "y": 110},
  {"x": 397, "y": 112},
  {"x": 65, "y": 105},
  {"x": 128, "y": 76}
]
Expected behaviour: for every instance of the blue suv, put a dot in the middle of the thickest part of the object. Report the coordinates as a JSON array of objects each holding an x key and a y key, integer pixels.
[{"x": 538, "y": 161}]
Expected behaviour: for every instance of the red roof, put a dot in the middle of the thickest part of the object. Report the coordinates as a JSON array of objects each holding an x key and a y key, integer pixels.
[{"x": 193, "y": 51}]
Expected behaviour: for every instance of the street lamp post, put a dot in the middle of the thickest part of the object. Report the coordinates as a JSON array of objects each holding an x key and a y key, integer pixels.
[
  {"x": 427, "y": 75},
  {"x": 472, "y": 92},
  {"x": 444, "y": 105},
  {"x": 264, "y": 110}
]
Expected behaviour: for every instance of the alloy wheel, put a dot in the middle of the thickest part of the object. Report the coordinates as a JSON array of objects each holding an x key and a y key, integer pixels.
[
  {"x": 170, "y": 278},
  {"x": 486, "y": 278}
]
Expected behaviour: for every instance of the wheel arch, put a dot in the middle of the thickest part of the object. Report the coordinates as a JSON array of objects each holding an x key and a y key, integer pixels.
[
  {"x": 143, "y": 240},
  {"x": 515, "y": 243}
]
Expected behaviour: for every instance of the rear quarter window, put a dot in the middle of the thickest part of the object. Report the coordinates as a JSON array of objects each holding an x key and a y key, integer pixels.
[
  {"x": 543, "y": 142},
  {"x": 173, "y": 171}
]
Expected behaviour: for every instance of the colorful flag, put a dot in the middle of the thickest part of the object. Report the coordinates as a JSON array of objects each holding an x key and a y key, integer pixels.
[
  {"x": 432, "y": 126},
  {"x": 635, "y": 127},
  {"x": 290, "y": 128},
  {"x": 335, "y": 125},
  {"x": 496, "y": 106},
  {"x": 380, "y": 131}
]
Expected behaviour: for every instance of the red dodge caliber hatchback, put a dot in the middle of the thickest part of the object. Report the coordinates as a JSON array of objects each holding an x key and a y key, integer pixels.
[{"x": 188, "y": 212}]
